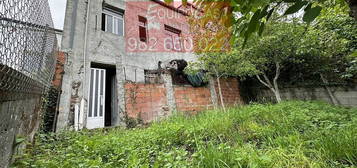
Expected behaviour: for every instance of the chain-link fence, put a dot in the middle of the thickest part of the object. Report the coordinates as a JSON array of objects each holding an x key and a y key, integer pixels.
[{"x": 27, "y": 45}]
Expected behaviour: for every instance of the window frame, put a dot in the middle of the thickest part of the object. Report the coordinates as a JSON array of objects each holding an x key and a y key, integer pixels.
[
  {"x": 143, "y": 23},
  {"x": 115, "y": 15},
  {"x": 172, "y": 32}
]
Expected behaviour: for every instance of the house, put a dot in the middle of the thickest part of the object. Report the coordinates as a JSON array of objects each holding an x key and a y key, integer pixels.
[{"x": 117, "y": 54}]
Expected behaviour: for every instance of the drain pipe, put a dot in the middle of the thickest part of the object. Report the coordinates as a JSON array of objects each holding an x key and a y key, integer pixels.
[
  {"x": 76, "y": 113},
  {"x": 81, "y": 118}
]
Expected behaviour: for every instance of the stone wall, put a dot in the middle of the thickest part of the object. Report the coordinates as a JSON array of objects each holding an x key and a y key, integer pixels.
[{"x": 346, "y": 96}]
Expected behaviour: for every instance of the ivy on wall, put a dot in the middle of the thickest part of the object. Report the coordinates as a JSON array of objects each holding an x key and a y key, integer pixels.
[{"x": 49, "y": 110}]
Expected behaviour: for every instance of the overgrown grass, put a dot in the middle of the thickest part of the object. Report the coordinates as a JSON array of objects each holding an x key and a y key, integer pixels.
[{"x": 289, "y": 134}]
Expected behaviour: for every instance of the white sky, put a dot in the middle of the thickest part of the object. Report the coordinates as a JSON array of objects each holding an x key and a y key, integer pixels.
[{"x": 58, "y": 8}]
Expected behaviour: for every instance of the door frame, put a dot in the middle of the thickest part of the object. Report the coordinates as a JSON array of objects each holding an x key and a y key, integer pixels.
[{"x": 96, "y": 121}]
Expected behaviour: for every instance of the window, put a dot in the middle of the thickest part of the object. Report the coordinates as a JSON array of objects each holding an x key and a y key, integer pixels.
[
  {"x": 142, "y": 29},
  {"x": 153, "y": 77},
  {"x": 113, "y": 21},
  {"x": 173, "y": 40}
]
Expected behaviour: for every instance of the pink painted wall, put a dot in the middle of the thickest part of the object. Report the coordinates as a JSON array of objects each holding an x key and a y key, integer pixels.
[{"x": 157, "y": 17}]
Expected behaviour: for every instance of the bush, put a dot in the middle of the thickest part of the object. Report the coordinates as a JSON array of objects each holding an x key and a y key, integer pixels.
[{"x": 289, "y": 134}]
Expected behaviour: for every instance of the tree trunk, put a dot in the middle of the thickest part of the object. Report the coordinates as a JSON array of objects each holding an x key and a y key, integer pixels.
[
  {"x": 220, "y": 93},
  {"x": 332, "y": 97},
  {"x": 268, "y": 84},
  {"x": 275, "y": 82},
  {"x": 277, "y": 96},
  {"x": 353, "y": 8},
  {"x": 273, "y": 87}
]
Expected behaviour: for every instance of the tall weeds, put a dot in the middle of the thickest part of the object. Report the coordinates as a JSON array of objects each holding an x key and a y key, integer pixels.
[{"x": 290, "y": 134}]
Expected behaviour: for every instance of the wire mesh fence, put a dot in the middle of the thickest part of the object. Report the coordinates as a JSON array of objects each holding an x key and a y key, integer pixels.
[{"x": 27, "y": 47}]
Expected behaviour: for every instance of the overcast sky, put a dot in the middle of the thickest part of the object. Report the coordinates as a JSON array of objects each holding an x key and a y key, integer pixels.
[{"x": 58, "y": 8}]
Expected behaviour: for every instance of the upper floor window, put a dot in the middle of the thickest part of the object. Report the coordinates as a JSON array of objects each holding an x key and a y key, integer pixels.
[
  {"x": 173, "y": 38},
  {"x": 113, "y": 21},
  {"x": 142, "y": 29}
]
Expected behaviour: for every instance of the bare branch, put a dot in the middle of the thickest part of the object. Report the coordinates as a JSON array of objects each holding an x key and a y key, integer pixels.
[
  {"x": 261, "y": 81},
  {"x": 267, "y": 79}
]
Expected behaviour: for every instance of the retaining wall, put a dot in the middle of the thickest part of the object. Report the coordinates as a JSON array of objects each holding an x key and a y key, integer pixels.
[
  {"x": 345, "y": 95},
  {"x": 19, "y": 119}
]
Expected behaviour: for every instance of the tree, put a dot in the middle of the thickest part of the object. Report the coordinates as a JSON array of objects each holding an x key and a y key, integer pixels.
[
  {"x": 353, "y": 8},
  {"x": 319, "y": 48},
  {"x": 272, "y": 52},
  {"x": 336, "y": 22},
  {"x": 317, "y": 51},
  {"x": 264, "y": 56},
  {"x": 221, "y": 64},
  {"x": 252, "y": 16},
  {"x": 323, "y": 55},
  {"x": 328, "y": 46}
]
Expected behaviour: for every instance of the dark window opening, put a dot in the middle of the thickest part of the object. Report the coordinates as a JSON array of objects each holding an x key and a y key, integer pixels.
[
  {"x": 153, "y": 77},
  {"x": 173, "y": 30},
  {"x": 142, "y": 29},
  {"x": 103, "y": 21},
  {"x": 173, "y": 38}
]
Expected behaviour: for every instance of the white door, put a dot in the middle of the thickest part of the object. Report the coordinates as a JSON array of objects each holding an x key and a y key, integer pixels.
[{"x": 96, "y": 110}]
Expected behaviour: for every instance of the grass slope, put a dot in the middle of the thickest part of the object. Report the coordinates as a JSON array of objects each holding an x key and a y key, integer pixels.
[{"x": 290, "y": 134}]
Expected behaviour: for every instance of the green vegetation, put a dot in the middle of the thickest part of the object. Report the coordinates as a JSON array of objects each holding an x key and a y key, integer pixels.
[
  {"x": 288, "y": 134},
  {"x": 292, "y": 52},
  {"x": 251, "y": 16}
]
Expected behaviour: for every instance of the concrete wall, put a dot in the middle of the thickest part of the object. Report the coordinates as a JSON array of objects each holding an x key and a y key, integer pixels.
[
  {"x": 346, "y": 96},
  {"x": 19, "y": 118},
  {"x": 20, "y": 113},
  {"x": 105, "y": 48}
]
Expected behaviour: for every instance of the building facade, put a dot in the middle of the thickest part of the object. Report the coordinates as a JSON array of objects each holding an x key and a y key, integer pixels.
[{"x": 114, "y": 46}]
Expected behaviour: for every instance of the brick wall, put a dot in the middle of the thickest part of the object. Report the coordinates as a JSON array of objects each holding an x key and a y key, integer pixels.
[
  {"x": 149, "y": 101},
  {"x": 146, "y": 101},
  {"x": 192, "y": 99},
  {"x": 57, "y": 78},
  {"x": 230, "y": 91}
]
